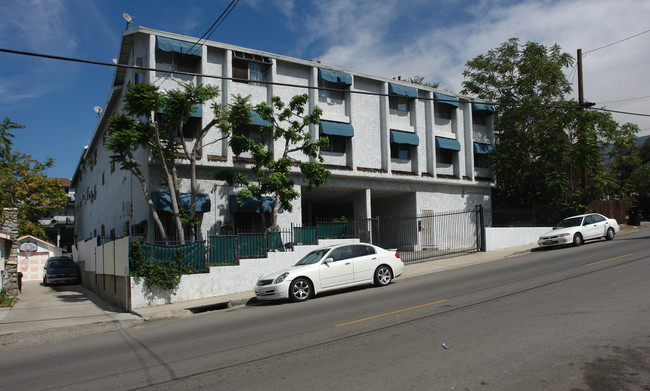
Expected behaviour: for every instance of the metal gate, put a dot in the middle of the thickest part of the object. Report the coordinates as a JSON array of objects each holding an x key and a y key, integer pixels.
[{"x": 431, "y": 235}]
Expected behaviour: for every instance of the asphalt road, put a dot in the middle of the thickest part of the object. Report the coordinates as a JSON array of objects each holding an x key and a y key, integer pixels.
[{"x": 564, "y": 319}]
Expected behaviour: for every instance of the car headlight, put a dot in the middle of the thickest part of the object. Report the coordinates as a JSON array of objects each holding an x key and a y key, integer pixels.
[{"x": 281, "y": 278}]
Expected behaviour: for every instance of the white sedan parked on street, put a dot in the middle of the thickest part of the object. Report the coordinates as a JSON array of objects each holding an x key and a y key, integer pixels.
[
  {"x": 576, "y": 229},
  {"x": 330, "y": 268}
]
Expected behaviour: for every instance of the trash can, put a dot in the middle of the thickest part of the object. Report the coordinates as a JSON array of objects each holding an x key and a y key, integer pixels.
[
  {"x": 20, "y": 281},
  {"x": 635, "y": 217}
]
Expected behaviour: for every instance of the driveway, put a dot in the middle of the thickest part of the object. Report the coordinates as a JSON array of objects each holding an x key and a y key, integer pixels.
[{"x": 43, "y": 313}]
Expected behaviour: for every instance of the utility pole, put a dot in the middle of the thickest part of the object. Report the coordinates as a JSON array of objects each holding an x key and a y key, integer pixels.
[{"x": 581, "y": 134}]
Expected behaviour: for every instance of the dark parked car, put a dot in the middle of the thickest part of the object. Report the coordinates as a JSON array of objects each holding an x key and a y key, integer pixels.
[{"x": 61, "y": 270}]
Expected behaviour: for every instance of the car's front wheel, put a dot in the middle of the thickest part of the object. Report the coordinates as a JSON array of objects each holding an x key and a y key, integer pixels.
[
  {"x": 383, "y": 275},
  {"x": 300, "y": 289},
  {"x": 577, "y": 240},
  {"x": 610, "y": 234}
]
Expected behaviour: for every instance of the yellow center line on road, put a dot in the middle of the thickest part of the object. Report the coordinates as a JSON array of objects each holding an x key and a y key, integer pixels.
[
  {"x": 391, "y": 313},
  {"x": 607, "y": 260}
]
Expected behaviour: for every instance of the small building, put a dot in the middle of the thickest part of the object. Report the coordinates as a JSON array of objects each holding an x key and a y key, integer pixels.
[
  {"x": 396, "y": 148},
  {"x": 31, "y": 263}
]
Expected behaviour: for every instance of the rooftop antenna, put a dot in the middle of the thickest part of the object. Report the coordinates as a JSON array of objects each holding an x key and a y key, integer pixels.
[
  {"x": 128, "y": 19},
  {"x": 98, "y": 110}
]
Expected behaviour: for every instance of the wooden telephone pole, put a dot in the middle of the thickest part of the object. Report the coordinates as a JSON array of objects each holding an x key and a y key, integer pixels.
[{"x": 582, "y": 131}]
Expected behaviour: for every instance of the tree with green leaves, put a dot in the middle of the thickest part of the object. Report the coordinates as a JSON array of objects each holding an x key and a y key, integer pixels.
[
  {"x": 25, "y": 185},
  {"x": 548, "y": 148},
  {"x": 420, "y": 80},
  {"x": 270, "y": 173},
  {"x": 153, "y": 122}
]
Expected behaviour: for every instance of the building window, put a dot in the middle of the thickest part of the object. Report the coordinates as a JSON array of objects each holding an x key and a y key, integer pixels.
[
  {"x": 400, "y": 151},
  {"x": 338, "y": 144},
  {"x": 253, "y": 132},
  {"x": 482, "y": 154},
  {"x": 444, "y": 111},
  {"x": 399, "y": 105},
  {"x": 481, "y": 161},
  {"x": 445, "y": 156},
  {"x": 333, "y": 93},
  {"x": 333, "y": 85},
  {"x": 173, "y": 61},
  {"x": 191, "y": 128},
  {"x": 250, "y": 68},
  {"x": 480, "y": 117},
  {"x": 403, "y": 144},
  {"x": 446, "y": 150}
]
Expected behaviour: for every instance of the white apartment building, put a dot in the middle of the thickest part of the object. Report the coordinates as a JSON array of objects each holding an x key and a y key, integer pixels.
[{"x": 396, "y": 148}]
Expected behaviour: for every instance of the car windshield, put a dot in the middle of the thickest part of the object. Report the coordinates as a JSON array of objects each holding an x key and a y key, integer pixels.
[
  {"x": 570, "y": 222},
  {"x": 60, "y": 263},
  {"x": 312, "y": 257}
]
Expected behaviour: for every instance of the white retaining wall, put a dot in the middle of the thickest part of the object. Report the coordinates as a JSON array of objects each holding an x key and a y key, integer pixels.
[
  {"x": 500, "y": 238},
  {"x": 223, "y": 280}
]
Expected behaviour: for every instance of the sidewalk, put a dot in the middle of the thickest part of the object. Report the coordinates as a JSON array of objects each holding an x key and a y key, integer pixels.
[
  {"x": 48, "y": 314},
  {"x": 410, "y": 270}
]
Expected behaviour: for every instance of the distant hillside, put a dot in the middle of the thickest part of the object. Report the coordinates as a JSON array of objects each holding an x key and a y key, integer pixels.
[{"x": 641, "y": 140}]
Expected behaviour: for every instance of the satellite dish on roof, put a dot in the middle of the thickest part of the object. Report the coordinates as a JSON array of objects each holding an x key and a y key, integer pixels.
[
  {"x": 128, "y": 19},
  {"x": 98, "y": 110}
]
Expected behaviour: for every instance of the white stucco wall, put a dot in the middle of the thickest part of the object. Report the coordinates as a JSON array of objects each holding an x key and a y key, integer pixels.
[
  {"x": 223, "y": 280},
  {"x": 500, "y": 238}
]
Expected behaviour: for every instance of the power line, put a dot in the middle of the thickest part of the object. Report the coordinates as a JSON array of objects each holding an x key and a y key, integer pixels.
[
  {"x": 626, "y": 100},
  {"x": 217, "y": 23},
  {"x": 125, "y": 66},
  {"x": 209, "y": 32},
  {"x": 617, "y": 42}
]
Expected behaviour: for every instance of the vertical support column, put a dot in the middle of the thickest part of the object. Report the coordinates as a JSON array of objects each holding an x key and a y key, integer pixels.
[
  {"x": 226, "y": 84},
  {"x": 429, "y": 139},
  {"x": 361, "y": 203},
  {"x": 383, "y": 128},
  {"x": 313, "y": 97}
]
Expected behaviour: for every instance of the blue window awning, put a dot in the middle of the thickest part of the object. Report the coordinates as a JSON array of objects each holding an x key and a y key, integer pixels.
[
  {"x": 175, "y": 46},
  {"x": 399, "y": 137},
  {"x": 257, "y": 120},
  {"x": 447, "y": 143},
  {"x": 446, "y": 99},
  {"x": 398, "y": 89},
  {"x": 250, "y": 205},
  {"x": 336, "y": 129},
  {"x": 162, "y": 202},
  {"x": 334, "y": 76},
  {"x": 484, "y": 149},
  {"x": 482, "y": 107}
]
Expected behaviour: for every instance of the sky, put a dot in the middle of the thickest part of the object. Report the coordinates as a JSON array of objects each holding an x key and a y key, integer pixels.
[{"x": 54, "y": 99}]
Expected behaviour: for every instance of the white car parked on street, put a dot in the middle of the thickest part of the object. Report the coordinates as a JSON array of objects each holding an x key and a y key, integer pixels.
[
  {"x": 330, "y": 268},
  {"x": 576, "y": 229}
]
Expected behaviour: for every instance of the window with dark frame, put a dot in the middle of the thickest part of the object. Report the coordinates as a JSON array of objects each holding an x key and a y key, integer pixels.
[
  {"x": 443, "y": 111},
  {"x": 334, "y": 92},
  {"x": 253, "y": 132},
  {"x": 445, "y": 156},
  {"x": 338, "y": 144},
  {"x": 173, "y": 61},
  {"x": 481, "y": 160},
  {"x": 400, "y": 151},
  {"x": 249, "y": 68},
  {"x": 480, "y": 117},
  {"x": 399, "y": 104}
]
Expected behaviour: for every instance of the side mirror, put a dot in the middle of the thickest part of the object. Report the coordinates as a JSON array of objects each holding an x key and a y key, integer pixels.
[{"x": 328, "y": 260}]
